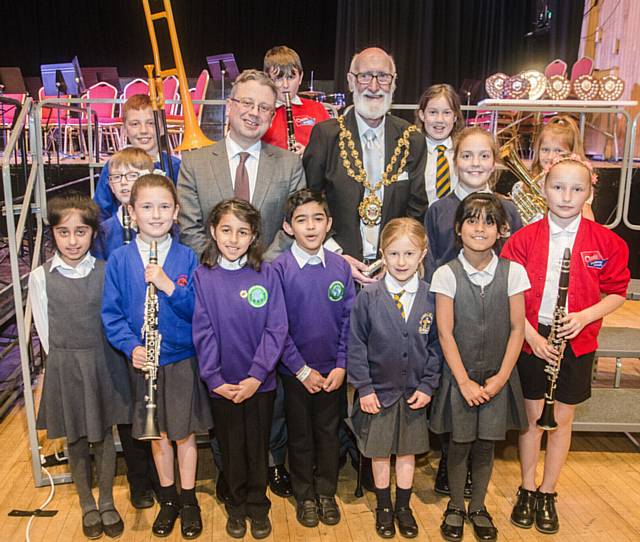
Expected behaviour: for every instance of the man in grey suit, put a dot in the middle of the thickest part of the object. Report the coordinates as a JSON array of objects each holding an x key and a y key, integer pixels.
[
  {"x": 244, "y": 167},
  {"x": 208, "y": 175}
]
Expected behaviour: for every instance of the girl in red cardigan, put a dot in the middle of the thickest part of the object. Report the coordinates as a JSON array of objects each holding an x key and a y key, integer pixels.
[{"x": 597, "y": 286}]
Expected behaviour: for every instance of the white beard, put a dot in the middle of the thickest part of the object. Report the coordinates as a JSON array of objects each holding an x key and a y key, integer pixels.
[{"x": 371, "y": 109}]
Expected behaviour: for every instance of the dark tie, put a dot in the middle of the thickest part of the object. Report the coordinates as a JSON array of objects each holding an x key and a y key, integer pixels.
[
  {"x": 241, "y": 187},
  {"x": 396, "y": 298},
  {"x": 443, "y": 181}
]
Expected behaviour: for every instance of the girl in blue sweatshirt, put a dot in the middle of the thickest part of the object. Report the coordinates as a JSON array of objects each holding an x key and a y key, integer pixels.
[
  {"x": 181, "y": 398},
  {"x": 239, "y": 329}
]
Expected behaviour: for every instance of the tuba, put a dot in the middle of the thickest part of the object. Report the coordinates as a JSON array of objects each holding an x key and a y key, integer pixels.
[
  {"x": 526, "y": 193},
  {"x": 193, "y": 137}
]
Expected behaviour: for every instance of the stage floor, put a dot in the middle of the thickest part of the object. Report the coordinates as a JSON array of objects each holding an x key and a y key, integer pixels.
[{"x": 598, "y": 491}]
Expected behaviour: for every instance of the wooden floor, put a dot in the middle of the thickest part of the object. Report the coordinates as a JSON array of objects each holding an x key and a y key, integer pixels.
[{"x": 599, "y": 492}]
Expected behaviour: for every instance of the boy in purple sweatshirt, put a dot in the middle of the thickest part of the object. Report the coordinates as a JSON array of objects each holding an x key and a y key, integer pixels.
[
  {"x": 239, "y": 331},
  {"x": 318, "y": 292}
]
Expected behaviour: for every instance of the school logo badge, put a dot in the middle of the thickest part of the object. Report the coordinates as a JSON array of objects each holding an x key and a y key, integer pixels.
[
  {"x": 425, "y": 323},
  {"x": 336, "y": 290},
  {"x": 593, "y": 259},
  {"x": 257, "y": 296},
  {"x": 182, "y": 280},
  {"x": 304, "y": 120}
]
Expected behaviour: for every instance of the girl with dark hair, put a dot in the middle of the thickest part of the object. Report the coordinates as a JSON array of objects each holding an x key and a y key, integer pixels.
[
  {"x": 86, "y": 387},
  {"x": 480, "y": 315},
  {"x": 239, "y": 330}
]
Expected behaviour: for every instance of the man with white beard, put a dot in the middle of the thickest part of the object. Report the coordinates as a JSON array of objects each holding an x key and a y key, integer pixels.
[{"x": 369, "y": 163}]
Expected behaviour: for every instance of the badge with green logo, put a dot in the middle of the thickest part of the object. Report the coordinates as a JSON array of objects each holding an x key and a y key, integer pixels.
[
  {"x": 336, "y": 290},
  {"x": 257, "y": 296}
]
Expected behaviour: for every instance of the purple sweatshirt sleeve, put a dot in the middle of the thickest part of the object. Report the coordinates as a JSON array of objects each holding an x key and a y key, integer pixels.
[
  {"x": 205, "y": 339},
  {"x": 275, "y": 332}
]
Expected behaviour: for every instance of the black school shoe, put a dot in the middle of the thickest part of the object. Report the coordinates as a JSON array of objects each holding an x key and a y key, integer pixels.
[
  {"x": 483, "y": 526},
  {"x": 260, "y": 528},
  {"x": 236, "y": 527},
  {"x": 406, "y": 522},
  {"x": 306, "y": 513},
  {"x": 112, "y": 530},
  {"x": 546, "y": 516},
  {"x": 190, "y": 521},
  {"x": 441, "y": 485},
  {"x": 523, "y": 510},
  {"x": 142, "y": 499},
  {"x": 452, "y": 526},
  {"x": 166, "y": 518},
  {"x": 92, "y": 529},
  {"x": 384, "y": 523},
  {"x": 327, "y": 509},
  {"x": 279, "y": 481}
]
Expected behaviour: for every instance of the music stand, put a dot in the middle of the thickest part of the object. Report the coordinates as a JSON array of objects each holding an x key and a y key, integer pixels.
[
  {"x": 104, "y": 74},
  {"x": 11, "y": 82},
  {"x": 218, "y": 75}
]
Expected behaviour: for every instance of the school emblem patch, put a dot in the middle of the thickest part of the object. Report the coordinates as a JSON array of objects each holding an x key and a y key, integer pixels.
[
  {"x": 182, "y": 280},
  {"x": 257, "y": 296},
  {"x": 593, "y": 259},
  {"x": 336, "y": 290},
  {"x": 425, "y": 323}
]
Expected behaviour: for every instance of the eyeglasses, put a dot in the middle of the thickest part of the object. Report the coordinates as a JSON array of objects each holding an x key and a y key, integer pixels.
[
  {"x": 247, "y": 105},
  {"x": 366, "y": 77},
  {"x": 117, "y": 178}
]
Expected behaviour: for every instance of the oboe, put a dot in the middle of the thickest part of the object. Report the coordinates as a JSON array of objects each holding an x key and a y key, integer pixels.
[
  {"x": 547, "y": 420},
  {"x": 126, "y": 224},
  {"x": 152, "y": 346},
  {"x": 291, "y": 136}
]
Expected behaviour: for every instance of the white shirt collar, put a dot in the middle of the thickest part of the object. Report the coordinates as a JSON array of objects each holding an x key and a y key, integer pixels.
[
  {"x": 233, "y": 148},
  {"x": 462, "y": 192},
  {"x": 232, "y": 266},
  {"x": 571, "y": 228},
  {"x": 144, "y": 246},
  {"x": 471, "y": 271},
  {"x": 295, "y": 101},
  {"x": 87, "y": 263},
  {"x": 431, "y": 144},
  {"x": 363, "y": 127},
  {"x": 394, "y": 287},
  {"x": 303, "y": 258}
]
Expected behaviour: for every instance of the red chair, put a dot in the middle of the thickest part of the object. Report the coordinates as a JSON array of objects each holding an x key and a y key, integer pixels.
[
  {"x": 108, "y": 124},
  {"x": 582, "y": 66},
  {"x": 8, "y": 111},
  {"x": 556, "y": 67}
]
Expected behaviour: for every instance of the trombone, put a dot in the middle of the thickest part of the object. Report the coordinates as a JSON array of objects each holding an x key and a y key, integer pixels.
[{"x": 193, "y": 137}]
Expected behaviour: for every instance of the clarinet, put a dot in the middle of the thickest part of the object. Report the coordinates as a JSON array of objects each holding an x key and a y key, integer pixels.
[
  {"x": 126, "y": 224},
  {"x": 152, "y": 345},
  {"x": 547, "y": 420},
  {"x": 291, "y": 136}
]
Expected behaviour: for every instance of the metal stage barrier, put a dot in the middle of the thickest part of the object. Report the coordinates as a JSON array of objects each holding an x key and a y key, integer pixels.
[{"x": 35, "y": 199}]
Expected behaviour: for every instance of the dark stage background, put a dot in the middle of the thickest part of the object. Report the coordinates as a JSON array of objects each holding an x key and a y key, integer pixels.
[{"x": 432, "y": 40}]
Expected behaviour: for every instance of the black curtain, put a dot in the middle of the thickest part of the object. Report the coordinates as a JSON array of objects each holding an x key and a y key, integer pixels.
[
  {"x": 114, "y": 32},
  {"x": 449, "y": 41}
]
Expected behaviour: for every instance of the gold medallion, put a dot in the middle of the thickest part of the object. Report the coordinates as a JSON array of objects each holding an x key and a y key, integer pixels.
[{"x": 370, "y": 209}]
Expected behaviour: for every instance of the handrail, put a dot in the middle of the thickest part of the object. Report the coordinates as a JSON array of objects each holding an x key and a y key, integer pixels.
[{"x": 627, "y": 191}]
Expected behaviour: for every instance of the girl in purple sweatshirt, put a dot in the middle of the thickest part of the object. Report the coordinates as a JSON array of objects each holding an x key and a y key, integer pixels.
[{"x": 239, "y": 331}]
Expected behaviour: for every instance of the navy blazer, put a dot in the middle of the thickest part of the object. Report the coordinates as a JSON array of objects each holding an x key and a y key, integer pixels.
[{"x": 389, "y": 356}]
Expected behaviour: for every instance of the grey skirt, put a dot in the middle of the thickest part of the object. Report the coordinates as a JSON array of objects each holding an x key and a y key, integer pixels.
[
  {"x": 450, "y": 412},
  {"x": 85, "y": 392},
  {"x": 183, "y": 403},
  {"x": 396, "y": 430}
]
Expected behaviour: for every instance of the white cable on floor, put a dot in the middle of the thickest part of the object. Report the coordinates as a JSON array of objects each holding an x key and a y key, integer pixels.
[{"x": 44, "y": 504}]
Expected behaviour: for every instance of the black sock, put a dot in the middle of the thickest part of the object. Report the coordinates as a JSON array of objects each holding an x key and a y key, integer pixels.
[
  {"x": 402, "y": 497},
  {"x": 188, "y": 496},
  {"x": 168, "y": 493},
  {"x": 383, "y": 495}
]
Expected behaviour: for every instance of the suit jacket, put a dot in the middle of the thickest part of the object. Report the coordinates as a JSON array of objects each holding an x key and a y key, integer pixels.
[
  {"x": 205, "y": 180},
  {"x": 325, "y": 172}
]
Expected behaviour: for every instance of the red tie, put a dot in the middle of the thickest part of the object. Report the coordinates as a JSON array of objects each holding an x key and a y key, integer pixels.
[{"x": 241, "y": 187}]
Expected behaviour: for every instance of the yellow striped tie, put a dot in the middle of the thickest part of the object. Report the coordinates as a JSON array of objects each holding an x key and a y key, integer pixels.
[
  {"x": 443, "y": 180},
  {"x": 396, "y": 298}
]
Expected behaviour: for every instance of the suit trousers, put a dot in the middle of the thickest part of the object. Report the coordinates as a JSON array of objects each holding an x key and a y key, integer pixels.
[
  {"x": 314, "y": 448},
  {"x": 243, "y": 433}
]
